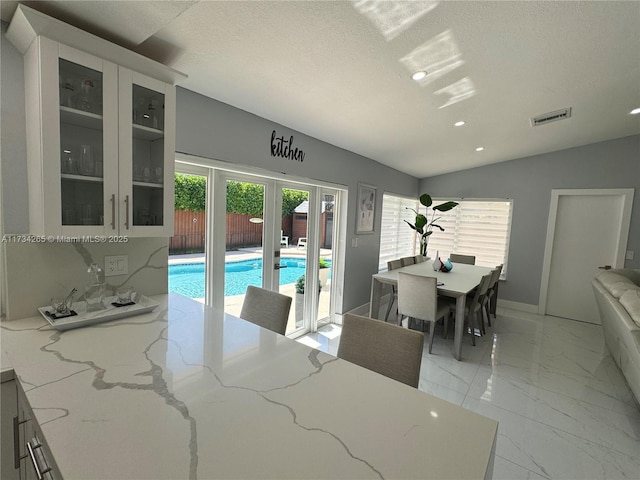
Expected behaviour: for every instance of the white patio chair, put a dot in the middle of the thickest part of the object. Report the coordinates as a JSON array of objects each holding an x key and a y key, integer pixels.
[{"x": 302, "y": 242}]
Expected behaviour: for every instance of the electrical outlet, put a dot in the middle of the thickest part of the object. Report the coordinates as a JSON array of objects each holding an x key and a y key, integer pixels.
[
  {"x": 354, "y": 242},
  {"x": 629, "y": 255},
  {"x": 116, "y": 265}
]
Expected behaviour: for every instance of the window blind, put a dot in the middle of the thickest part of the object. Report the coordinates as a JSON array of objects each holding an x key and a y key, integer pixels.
[
  {"x": 474, "y": 227},
  {"x": 397, "y": 239}
]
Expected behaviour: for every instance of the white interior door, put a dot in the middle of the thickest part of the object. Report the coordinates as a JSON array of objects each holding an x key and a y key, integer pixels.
[{"x": 588, "y": 229}]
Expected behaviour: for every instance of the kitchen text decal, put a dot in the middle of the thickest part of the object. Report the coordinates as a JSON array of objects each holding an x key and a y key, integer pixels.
[{"x": 284, "y": 148}]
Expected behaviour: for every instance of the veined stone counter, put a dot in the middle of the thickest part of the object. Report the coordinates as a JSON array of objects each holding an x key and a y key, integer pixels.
[{"x": 190, "y": 392}]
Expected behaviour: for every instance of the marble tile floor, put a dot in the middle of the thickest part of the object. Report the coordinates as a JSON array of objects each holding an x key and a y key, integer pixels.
[{"x": 563, "y": 407}]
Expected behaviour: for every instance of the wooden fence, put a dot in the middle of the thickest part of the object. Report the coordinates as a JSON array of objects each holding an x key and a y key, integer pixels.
[{"x": 190, "y": 227}]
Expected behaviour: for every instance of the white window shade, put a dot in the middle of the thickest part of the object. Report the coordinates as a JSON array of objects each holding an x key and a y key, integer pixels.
[
  {"x": 397, "y": 239},
  {"x": 474, "y": 227}
]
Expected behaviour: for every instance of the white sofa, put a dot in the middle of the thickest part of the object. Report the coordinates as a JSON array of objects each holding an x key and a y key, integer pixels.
[{"x": 617, "y": 293}]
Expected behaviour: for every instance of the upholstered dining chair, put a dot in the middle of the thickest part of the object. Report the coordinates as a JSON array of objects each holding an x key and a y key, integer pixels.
[
  {"x": 387, "y": 349},
  {"x": 266, "y": 308},
  {"x": 492, "y": 293},
  {"x": 419, "y": 258},
  {"x": 468, "y": 259},
  {"x": 418, "y": 299},
  {"x": 473, "y": 309},
  {"x": 408, "y": 261},
  {"x": 392, "y": 265}
]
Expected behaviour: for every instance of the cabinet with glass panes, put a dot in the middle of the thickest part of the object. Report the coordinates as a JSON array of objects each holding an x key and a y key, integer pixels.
[{"x": 100, "y": 137}]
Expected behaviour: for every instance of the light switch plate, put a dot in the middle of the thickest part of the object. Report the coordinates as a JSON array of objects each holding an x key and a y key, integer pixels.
[
  {"x": 116, "y": 265},
  {"x": 629, "y": 255}
]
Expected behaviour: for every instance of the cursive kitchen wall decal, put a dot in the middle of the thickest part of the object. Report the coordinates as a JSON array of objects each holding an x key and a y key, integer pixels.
[{"x": 284, "y": 148}]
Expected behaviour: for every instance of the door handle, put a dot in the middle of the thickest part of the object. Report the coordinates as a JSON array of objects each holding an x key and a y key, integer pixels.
[
  {"x": 126, "y": 215},
  {"x": 113, "y": 211},
  {"x": 606, "y": 267},
  {"x": 277, "y": 266}
]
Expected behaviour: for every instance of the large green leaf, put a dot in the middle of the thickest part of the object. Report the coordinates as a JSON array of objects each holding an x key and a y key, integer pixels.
[
  {"x": 425, "y": 199},
  {"x": 421, "y": 221},
  {"x": 411, "y": 225},
  {"x": 443, "y": 207}
]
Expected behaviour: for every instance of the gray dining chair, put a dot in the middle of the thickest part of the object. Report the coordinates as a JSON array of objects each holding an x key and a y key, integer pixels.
[
  {"x": 458, "y": 258},
  {"x": 492, "y": 293},
  {"x": 419, "y": 258},
  {"x": 266, "y": 308},
  {"x": 418, "y": 299},
  {"x": 393, "y": 265},
  {"x": 407, "y": 261},
  {"x": 387, "y": 349},
  {"x": 473, "y": 309}
]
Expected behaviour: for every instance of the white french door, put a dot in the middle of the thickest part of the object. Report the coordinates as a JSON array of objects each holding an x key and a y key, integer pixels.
[{"x": 277, "y": 248}]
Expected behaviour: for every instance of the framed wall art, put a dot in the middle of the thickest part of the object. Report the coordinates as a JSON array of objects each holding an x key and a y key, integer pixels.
[{"x": 365, "y": 208}]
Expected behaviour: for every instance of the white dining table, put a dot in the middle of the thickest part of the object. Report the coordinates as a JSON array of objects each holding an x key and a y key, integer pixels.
[{"x": 457, "y": 283}]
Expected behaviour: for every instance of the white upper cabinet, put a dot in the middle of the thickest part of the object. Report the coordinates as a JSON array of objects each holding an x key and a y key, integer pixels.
[{"x": 100, "y": 133}]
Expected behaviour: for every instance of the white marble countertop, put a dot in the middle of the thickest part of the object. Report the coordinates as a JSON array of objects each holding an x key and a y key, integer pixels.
[{"x": 190, "y": 392}]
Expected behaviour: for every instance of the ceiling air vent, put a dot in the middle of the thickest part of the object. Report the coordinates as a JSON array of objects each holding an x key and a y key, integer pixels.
[{"x": 551, "y": 117}]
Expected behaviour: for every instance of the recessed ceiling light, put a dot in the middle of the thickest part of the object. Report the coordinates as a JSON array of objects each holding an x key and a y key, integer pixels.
[
  {"x": 479, "y": 149},
  {"x": 419, "y": 75},
  {"x": 635, "y": 111},
  {"x": 459, "y": 124}
]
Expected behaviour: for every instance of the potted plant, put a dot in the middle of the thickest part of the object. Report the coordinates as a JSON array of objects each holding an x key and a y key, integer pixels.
[
  {"x": 323, "y": 273},
  {"x": 300, "y": 284},
  {"x": 423, "y": 226}
]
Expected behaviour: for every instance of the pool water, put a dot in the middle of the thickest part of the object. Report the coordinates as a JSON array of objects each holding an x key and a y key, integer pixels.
[{"x": 188, "y": 279}]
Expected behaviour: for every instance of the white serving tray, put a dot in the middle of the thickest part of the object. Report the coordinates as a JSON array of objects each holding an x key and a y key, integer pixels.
[{"x": 83, "y": 318}]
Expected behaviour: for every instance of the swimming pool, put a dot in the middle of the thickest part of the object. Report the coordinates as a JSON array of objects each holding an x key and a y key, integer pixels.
[{"x": 188, "y": 279}]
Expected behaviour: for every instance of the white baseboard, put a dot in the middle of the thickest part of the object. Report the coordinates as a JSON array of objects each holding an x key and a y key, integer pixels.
[{"x": 518, "y": 306}]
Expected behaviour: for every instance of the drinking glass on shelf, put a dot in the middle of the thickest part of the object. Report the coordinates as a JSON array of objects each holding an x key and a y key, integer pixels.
[
  {"x": 152, "y": 111},
  {"x": 139, "y": 111},
  {"x": 88, "y": 214},
  {"x": 87, "y": 163},
  {"x": 87, "y": 95},
  {"x": 159, "y": 174},
  {"x": 68, "y": 160},
  {"x": 67, "y": 91},
  {"x": 138, "y": 171}
]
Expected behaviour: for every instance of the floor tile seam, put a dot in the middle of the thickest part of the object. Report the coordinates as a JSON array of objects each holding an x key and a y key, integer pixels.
[
  {"x": 521, "y": 466},
  {"x": 471, "y": 383},
  {"x": 557, "y": 429},
  {"x": 563, "y": 393}
]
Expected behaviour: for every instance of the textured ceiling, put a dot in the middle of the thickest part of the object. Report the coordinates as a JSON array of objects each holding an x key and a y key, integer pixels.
[{"x": 341, "y": 71}]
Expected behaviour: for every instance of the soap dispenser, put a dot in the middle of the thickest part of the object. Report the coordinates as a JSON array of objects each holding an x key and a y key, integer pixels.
[{"x": 94, "y": 290}]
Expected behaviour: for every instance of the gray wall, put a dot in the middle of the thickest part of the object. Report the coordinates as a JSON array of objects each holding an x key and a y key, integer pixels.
[
  {"x": 206, "y": 128},
  {"x": 211, "y": 129},
  {"x": 529, "y": 181}
]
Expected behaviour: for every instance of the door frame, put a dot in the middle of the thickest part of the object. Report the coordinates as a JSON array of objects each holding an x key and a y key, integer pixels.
[
  {"x": 623, "y": 234},
  {"x": 217, "y": 172}
]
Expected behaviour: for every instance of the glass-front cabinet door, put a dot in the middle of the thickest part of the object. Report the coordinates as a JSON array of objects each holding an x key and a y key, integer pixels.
[
  {"x": 147, "y": 143},
  {"x": 82, "y": 171}
]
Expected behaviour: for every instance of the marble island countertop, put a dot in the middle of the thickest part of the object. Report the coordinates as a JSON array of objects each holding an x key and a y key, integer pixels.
[{"x": 187, "y": 391}]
